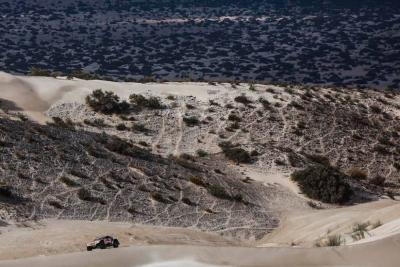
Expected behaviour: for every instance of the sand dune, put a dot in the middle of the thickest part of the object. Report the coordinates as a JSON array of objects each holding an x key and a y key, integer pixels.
[{"x": 380, "y": 253}]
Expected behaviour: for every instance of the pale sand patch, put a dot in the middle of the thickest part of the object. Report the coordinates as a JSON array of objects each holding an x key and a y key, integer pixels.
[
  {"x": 49, "y": 237},
  {"x": 272, "y": 177},
  {"x": 303, "y": 228},
  {"x": 37, "y": 94},
  {"x": 383, "y": 252}
]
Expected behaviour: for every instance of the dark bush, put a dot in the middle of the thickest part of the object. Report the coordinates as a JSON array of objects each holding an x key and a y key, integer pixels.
[
  {"x": 201, "y": 153},
  {"x": 197, "y": 181},
  {"x": 84, "y": 194},
  {"x": 378, "y": 180},
  {"x": 266, "y": 104},
  {"x": 160, "y": 198},
  {"x": 39, "y": 72},
  {"x": 375, "y": 109},
  {"x": 83, "y": 75},
  {"x": 59, "y": 122},
  {"x": 234, "y": 153},
  {"x": 234, "y": 117},
  {"x": 141, "y": 101},
  {"x": 357, "y": 174},
  {"x": 243, "y": 99},
  {"x": 323, "y": 182},
  {"x": 191, "y": 121},
  {"x": 68, "y": 181},
  {"x": 95, "y": 122},
  {"x": 106, "y": 102},
  {"x": 143, "y": 143},
  {"x": 55, "y": 204},
  {"x": 139, "y": 128},
  {"x": 121, "y": 127}
]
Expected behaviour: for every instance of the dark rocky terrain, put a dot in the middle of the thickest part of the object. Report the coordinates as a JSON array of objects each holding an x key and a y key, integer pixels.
[
  {"x": 313, "y": 42},
  {"x": 55, "y": 171}
]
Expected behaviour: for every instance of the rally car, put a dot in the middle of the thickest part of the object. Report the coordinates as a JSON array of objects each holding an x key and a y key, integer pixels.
[{"x": 103, "y": 242}]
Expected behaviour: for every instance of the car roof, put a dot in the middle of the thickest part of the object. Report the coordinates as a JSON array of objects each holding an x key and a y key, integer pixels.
[{"x": 102, "y": 237}]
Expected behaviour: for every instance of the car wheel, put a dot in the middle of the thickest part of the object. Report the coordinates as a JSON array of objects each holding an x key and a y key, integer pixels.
[
  {"x": 115, "y": 243},
  {"x": 101, "y": 245},
  {"x": 89, "y": 248}
]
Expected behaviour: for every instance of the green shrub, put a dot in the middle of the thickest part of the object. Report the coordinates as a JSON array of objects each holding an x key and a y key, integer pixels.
[
  {"x": 324, "y": 183},
  {"x": 106, "y": 102},
  {"x": 141, "y": 101}
]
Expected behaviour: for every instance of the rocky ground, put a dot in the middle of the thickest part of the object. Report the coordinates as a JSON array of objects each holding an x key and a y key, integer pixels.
[
  {"x": 282, "y": 128},
  {"x": 58, "y": 172}
]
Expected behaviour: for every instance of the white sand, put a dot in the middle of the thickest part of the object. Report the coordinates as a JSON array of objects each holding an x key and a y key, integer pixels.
[
  {"x": 382, "y": 253},
  {"x": 36, "y": 94}
]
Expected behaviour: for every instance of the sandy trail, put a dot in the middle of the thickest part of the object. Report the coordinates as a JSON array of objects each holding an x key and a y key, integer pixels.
[
  {"x": 380, "y": 253},
  {"x": 53, "y": 236}
]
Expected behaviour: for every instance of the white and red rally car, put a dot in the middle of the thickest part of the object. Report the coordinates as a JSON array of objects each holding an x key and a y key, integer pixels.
[{"x": 103, "y": 242}]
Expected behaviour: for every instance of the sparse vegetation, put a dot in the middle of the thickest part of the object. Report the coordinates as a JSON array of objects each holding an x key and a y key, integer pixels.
[
  {"x": 359, "y": 231},
  {"x": 140, "y": 101},
  {"x": 376, "y": 224},
  {"x": 330, "y": 241}
]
